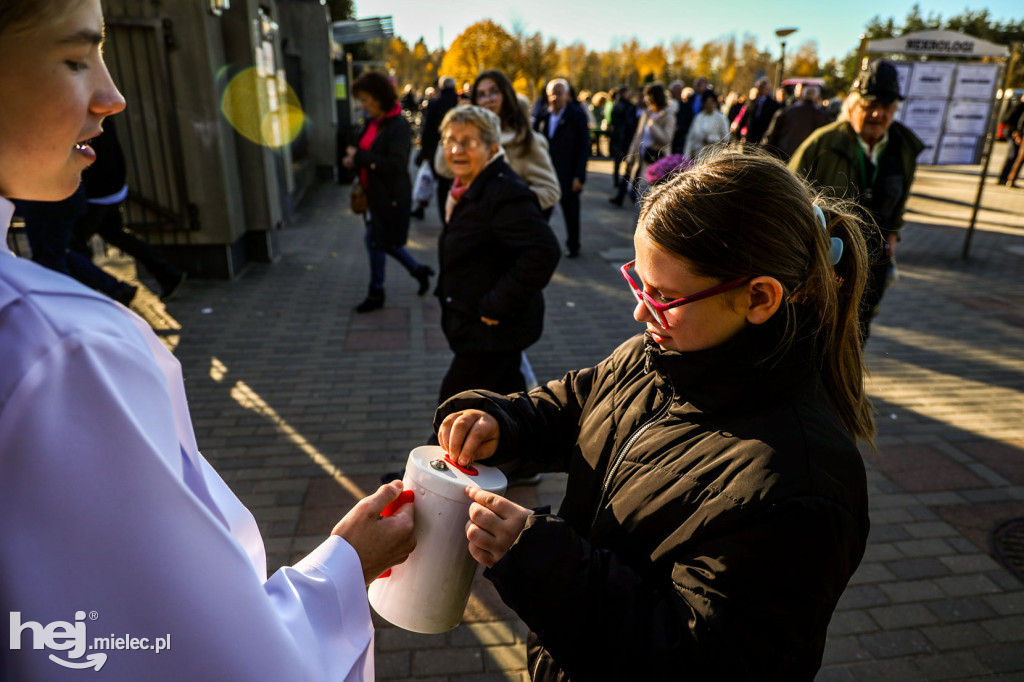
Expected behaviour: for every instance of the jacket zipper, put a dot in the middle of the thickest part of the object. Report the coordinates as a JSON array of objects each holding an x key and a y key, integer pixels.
[{"x": 625, "y": 451}]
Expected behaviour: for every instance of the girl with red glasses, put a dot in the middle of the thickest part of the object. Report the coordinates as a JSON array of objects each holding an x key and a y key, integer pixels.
[{"x": 716, "y": 503}]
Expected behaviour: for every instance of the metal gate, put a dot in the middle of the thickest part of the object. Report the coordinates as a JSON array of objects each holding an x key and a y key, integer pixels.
[{"x": 138, "y": 41}]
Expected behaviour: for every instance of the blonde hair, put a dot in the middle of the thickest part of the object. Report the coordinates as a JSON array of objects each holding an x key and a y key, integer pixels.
[{"x": 736, "y": 215}]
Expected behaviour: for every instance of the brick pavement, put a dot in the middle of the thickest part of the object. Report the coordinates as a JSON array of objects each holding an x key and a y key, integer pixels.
[{"x": 301, "y": 404}]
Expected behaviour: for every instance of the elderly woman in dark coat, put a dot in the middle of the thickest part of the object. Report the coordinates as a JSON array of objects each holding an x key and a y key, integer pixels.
[
  {"x": 496, "y": 255},
  {"x": 382, "y": 159}
]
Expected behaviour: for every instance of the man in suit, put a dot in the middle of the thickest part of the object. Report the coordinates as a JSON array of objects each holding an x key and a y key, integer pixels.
[
  {"x": 760, "y": 112},
  {"x": 565, "y": 127}
]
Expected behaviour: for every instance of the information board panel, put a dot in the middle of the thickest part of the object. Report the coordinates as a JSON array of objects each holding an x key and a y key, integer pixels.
[
  {"x": 931, "y": 79},
  {"x": 975, "y": 81},
  {"x": 924, "y": 114},
  {"x": 956, "y": 149},
  {"x": 967, "y": 118}
]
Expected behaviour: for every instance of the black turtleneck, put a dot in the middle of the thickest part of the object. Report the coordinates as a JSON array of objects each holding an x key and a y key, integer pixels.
[{"x": 753, "y": 365}]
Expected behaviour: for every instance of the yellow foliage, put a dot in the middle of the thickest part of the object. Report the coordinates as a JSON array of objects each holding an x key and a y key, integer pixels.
[{"x": 484, "y": 45}]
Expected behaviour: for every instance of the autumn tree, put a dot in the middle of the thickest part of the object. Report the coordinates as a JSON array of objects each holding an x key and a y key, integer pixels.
[
  {"x": 804, "y": 63},
  {"x": 536, "y": 61},
  {"x": 571, "y": 59},
  {"x": 652, "y": 64},
  {"x": 683, "y": 60},
  {"x": 484, "y": 45}
]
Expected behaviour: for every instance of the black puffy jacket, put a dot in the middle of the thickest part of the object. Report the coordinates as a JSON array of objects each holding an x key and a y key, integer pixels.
[
  {"x": 714, "y": 512},
  {"x": 496, "y": 255}
]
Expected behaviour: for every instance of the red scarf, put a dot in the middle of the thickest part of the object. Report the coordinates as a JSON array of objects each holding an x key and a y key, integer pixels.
[
  {"x": 458, "y": 189},
  {"x": 366, "y": 141}
]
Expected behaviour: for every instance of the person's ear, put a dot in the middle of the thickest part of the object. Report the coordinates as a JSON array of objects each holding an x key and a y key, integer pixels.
[
  {"x": 494, "y": 148},
  {"x": 765, "y": 298}
]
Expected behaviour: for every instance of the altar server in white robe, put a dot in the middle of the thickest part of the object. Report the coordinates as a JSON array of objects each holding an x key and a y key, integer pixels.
[{"x": 112, "y": 524}]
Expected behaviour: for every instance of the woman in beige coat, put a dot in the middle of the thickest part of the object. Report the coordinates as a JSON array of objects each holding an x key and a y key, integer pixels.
[
  {"x": 525, "y": 152},
  {"x": 652, "y": 140}
]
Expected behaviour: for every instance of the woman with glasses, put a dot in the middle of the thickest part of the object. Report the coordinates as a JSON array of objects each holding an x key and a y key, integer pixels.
[
  {"x": 496, "y": 254},
  {"x": 716, "y": 503},
  {"x": 382, "y": 160},
  {"x": 525, "y": 153}
]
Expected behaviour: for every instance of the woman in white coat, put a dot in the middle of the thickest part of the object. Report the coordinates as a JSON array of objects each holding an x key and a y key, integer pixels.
[{"x": 709, "y": 127}]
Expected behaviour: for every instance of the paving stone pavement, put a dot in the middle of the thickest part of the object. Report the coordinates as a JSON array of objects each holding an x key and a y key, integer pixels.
[{"x": 301, "y": 404}]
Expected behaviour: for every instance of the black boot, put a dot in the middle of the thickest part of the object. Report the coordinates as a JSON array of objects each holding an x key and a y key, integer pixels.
[
  {"x": 374, "y": 300},
  {"x": 422, "y": 275}
]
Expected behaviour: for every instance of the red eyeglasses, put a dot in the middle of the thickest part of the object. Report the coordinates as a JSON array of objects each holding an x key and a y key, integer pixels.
[{"x": 658, "y": 310}]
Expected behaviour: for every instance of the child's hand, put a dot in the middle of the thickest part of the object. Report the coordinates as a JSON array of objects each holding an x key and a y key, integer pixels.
[
  {"x": 468, "y": 435},
  {"x": 494, "y": 524}
]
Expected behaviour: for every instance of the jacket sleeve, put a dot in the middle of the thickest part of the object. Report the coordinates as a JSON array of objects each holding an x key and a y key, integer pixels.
[
  {"x": 539, "y": 173},
  {"x": 741, "y": 604},
  {"x": 158, "y": 544},
  {"x": 774, "y": 131},
  {"x": 538, "y": 429},
  {"x": 694, "y": 137},
  {"x": 581, "y": 150},
  {"x": 519, "y": 225},
  {"x": 804, "y": 159}
]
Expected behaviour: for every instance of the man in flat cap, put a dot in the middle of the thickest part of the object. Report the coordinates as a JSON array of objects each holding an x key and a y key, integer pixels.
[{"x": 867, "y": 157}]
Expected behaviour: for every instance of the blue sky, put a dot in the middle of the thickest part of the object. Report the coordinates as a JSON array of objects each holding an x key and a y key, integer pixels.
[{"x": 603, "y": 24}]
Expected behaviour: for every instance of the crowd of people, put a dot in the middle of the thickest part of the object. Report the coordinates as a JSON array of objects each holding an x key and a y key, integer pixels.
[{"x": 716, "y": 500}]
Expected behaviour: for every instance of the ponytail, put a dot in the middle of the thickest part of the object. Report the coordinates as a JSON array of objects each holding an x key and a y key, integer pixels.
[{"x": 834, "y": 290}]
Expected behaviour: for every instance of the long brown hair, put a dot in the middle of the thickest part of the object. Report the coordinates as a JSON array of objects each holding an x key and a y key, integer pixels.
[
  {"x": 512, "y": 116},
  {"x": 742, "y": 215}
]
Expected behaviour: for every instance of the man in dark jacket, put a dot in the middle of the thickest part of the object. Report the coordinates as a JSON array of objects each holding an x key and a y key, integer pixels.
[
  {"x": 684, "y": 116},
  {"x": 623, "y": 126},
  {"x": 760, "y": 112},
  {"x": 565, "y": 126},
  {"x": 431, "y": 137},
  {"x": 106, "y": 189},
  {"x": 871, "y": 159},
  {"x": 1012, "y": 122},
  {"x": 792, "y": 125}
]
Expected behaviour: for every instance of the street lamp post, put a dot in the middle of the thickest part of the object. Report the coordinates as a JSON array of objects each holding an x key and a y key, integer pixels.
[{"x": 781, "y": 34}]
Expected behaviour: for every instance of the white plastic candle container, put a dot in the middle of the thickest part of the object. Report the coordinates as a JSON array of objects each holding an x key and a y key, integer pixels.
[{"x": 427, "y": 593}]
